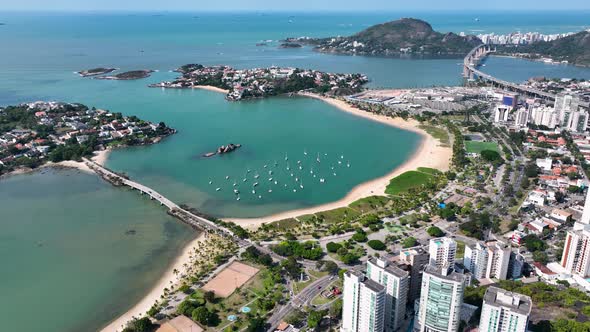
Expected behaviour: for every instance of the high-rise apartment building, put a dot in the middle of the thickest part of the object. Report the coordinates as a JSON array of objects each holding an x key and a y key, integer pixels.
[
  {"x": 442, "y": 251},
  {"x": 363, "y": 304},
  {"x": 487, "y": 260},
  {"x": 440, "y": 301},
  {"x": 416, "y": 259},
  {"x": 576, "y": 251},
  {"x": 504, "y": 311},
  {"x": 396, "y": 283}
]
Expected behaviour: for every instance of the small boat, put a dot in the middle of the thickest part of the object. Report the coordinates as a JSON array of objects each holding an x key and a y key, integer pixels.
[
  {"x": 270, "y": 190},
  {"x": 314, "y": 175},
  {"x": 248, "y": 171},
  {"x": 311, "y": 171},
  {"x": 218, "y": 189},
  {"x": 237, "y": 199},
  {"x": 294, "y": 190},
  {"x": 291, "y": 174},
  {"x": 286, "y": 157},
  {"x": 296, "y": 179},
  {"x": 300, "y": 168},
  {"x": 259, "y": 196},
  {"x": 305, "y": 152},
  {"x": 322, "y": 180},
  {"x": 341, "y": 156},
  {"x": 265, "y": 166},
  {"x": 334, "y": 174},
  {"x": 253, "y": 191},
  {"x": 235, "y": 184},
  {"x": 332, "y": 167},
  {"x": 269, "y": 172},
  {"x": 276, "y": 182},
  {"x": 339, "y": 162},
  {"x": 318, "y": 158},
  {"x": 256, "y": 183},
  {"x": 245, "y": 180},
  {"x": 299, "y": 161},
  {"x": 227, "y": 177},
  {"x": 301, "y": 184},
  {"x": 256, "y": 176},
  {"x": 348, "y": 164},
  {"x": 270, "y": 179},
  {"x": 236, "y": 191},
  {"x": 210, "y": 182}
]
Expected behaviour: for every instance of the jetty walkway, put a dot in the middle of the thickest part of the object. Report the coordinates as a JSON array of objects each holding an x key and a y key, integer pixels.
[{"x": 173, "y": 208}]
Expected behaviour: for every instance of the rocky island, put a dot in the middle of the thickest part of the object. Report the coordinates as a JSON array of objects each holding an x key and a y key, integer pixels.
[
  {"x": 36, "y": 133},
  {"x": 404, "y": 36},
  {"x": 224, "y": 149},
  {"x": 127, "y": 76},
  {"x": 264, "y": 82},
  {"x": 96, "y": 71},
  {"x": 290, "y": 45}
]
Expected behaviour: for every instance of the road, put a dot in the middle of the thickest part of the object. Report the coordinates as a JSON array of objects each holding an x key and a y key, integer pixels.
[{"x": 299, "y": 300}]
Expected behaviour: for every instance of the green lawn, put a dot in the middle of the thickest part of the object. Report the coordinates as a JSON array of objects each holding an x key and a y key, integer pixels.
[
  {"x": 477, "y": 147},
  {"x": 460, "y": 249},
  {"x": 406, "y": 181},
  {"x": 428, "y": 170}
]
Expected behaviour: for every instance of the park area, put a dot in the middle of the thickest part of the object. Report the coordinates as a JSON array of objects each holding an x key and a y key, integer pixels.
[
  {"x": 232, "y": 277},
  {"x": 478, "y": 147},
  {"x": 410, "y": 179}
]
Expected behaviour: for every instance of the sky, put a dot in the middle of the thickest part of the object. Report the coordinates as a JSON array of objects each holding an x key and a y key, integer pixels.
[{"x": 291, "y": 5}]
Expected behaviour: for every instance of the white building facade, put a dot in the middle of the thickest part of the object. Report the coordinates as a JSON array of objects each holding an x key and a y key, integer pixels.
[
  {"x": 363, "y": 304},
  {"x": 442, "y": 251},
  {"x": 504, "y": 311},
  {"x": 396, "y": 283}
]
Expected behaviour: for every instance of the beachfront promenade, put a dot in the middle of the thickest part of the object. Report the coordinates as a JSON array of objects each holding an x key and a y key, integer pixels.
[
  {"x": 470, "y": 71},
  {"x": 174, "y": 209}
]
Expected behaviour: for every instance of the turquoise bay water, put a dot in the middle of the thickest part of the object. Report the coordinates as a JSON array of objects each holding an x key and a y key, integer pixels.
[
  {"x": 86, "y": 267},
  {"x": 66, "y": 254}
]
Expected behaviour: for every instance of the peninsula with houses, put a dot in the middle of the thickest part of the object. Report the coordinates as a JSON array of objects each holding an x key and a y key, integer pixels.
[
  {"x": 36, "y": 133},
  {"x": 264, "y": 82}
]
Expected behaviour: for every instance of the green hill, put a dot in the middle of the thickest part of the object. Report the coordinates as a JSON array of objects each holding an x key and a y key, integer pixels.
[
  {"x": 574, "y": 49},
  {"x": 406, "y": 35}
]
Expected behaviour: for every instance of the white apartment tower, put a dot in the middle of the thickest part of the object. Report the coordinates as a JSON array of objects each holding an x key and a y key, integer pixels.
[
  {"x": 565, "y": 105},
  {"x": 487, "y": 260},
  {"x": 521, "y": 119},
  {"x": 396, "y": 283},
  {"x": 576, "y": 251},
  {"x": 363, "y": 304},
  {"x": 501, "y": 113},
  {"x": 585, "y": 220},
  {"x": 544, "y": 116},
  {"x": 442, "y": 251},
  {"x": 440, "y": 301},
  {"x": 504, "y": 311}
]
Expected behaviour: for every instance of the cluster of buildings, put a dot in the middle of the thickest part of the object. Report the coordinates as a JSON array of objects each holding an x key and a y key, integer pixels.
[
  {"x": 568, "y": 113},
  {"x": 55, "y": 124},
  {"x": 262, "y": 82},
  {"x": 424, "y": 287},
  {"x": 518, "y": 38}
]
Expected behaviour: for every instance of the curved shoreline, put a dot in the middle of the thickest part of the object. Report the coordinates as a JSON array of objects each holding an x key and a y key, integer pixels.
[{"x": 429, "y": 153}]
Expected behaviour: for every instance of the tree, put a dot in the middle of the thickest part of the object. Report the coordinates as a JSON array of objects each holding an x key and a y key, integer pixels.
[
  {"x": 333, "y": 247},
  {"x": 209, "y": 296},
  {"x": 376, "y": 245},
  {"x": 201, "y": 315},
  {"x": 314, "y": 318},
  {"x": 142, "y": 325},
  {"x": 360, "y": 237},
  {"x": 409, "y": 242},
  {"x": 435, "y": 231},
  {"x": 492, "y": 157},
  {"x": 292, "y": 267},
  {"x": 335, "y": 310}
]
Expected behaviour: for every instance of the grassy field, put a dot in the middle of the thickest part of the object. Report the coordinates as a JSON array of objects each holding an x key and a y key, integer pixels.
[
  {"x": 439, "y": 133},
  {"x": 428, "y": 170},
  {"x": 406, "y": 181},
  {"x": 460, "y": 249},
  {"x": 477, "y": 147}
]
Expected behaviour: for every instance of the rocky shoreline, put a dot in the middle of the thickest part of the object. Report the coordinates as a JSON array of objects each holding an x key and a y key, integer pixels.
[
  {"x": 223, "y": 150},
  {"x": 96, "y": 71},
  {"x": 128, "y": 75}
]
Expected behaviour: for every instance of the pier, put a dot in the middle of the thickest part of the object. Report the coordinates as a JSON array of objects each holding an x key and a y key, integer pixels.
[{"x": 173, "y": 208}]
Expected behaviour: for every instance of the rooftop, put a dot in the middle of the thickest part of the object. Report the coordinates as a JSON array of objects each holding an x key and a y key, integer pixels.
[
  {"x": 516, "y": 302},
  {"x": 445, "y": 273}
]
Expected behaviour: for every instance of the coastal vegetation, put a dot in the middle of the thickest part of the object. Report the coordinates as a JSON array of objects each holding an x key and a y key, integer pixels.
[
  {"x": 128, "y": 75},
  {"x": 403, "y": 36},
  {"x": 409, "y": 180},
  {"x": 33, "y": 134},
  {"x": 96, "y": 71}
]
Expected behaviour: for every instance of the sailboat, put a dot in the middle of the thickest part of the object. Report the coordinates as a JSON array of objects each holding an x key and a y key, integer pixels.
[
  {"x": 217, "y": 189},
  {"x": 237, "y": 199},
  {"x": 210, "y": 182},
  {"x": 348, "y": 164},
  {"x": 301, "y": 184},
  {"x": 305, "y": 152},
  {"x": 286, "y": 157},
  {"x": 256, "y": 183},
  {"x": 311, "y": 171},
  {"x": 236, "y": 191},
  {"x": 318, "y": 158},
  {"x": 322, "y": 180},
  {"x": 227, "y": 177},
  {"x": 256, "y": 176}
]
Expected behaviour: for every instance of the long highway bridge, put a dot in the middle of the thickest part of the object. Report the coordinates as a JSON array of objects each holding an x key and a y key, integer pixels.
[{"x": 471, "y": 71}]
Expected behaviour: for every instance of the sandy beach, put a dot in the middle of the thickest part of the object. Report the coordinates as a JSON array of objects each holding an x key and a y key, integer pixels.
[
  {"x": 211, "y": 88},
  {"x": 430, "y": 153},
  {"x": 168, "y": 279}
]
